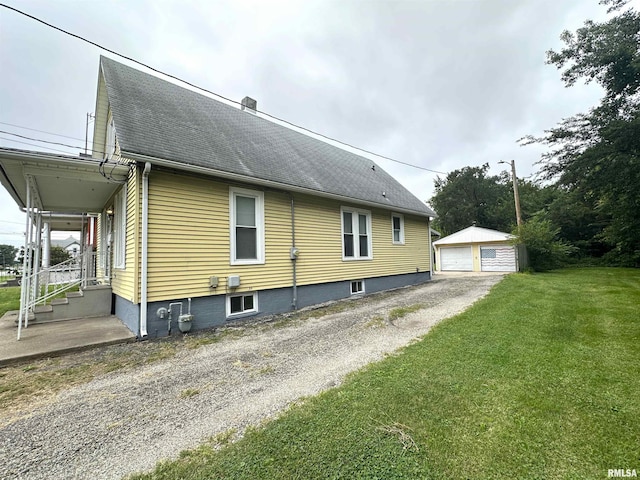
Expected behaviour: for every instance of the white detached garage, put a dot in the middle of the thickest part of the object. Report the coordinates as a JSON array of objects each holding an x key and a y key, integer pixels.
[{"x": 476, "y": 249}]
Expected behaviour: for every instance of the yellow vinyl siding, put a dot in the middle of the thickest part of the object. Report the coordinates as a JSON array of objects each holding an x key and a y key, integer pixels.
[
  {"x": 123, "y": 281},
  {"x": 189, "y": 241},
  {"x": 319, "y": 238}
]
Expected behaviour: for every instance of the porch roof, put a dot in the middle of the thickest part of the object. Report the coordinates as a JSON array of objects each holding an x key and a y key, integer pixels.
[{"x": 62, "y": 184}]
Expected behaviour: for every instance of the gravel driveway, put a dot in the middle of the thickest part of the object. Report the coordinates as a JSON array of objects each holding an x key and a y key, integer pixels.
[{"x": 125, "y": 422}]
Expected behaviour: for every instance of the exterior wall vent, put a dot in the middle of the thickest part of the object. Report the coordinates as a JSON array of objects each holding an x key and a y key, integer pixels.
[{"x": 249, "y": 104}]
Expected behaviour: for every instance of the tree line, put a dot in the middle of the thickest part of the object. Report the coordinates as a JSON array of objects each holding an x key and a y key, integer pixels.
[{"x": 587, "y": 205}]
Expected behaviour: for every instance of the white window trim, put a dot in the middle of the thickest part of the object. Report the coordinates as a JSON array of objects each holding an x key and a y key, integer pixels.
[
  {"x": 401, "y": 217},
  {"x": 259, "y": 196},
  {"x": 356, "y": 233},
  {"x": 120, "y": 228},
  {"x": 245, "y": 312},
  {"x": 359, "y": 292}
]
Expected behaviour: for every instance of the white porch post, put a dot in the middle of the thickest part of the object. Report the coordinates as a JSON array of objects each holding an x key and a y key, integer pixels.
[
  {"x": 46, "y": 246},
  {"x": 81, "y": 256},
  {"x": 35, "y": 287},
  {"x": 24, "y": 288}
]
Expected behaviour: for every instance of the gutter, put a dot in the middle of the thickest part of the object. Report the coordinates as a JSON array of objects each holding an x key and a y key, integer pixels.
[
  {"x": 4, "y": 180},
  {"x": 145, "y": 238},
  {"x": 268, "y": 183}
]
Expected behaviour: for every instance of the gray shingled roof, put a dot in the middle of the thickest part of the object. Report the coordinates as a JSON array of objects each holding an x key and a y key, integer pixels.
[{"x": 159, "y": 119}]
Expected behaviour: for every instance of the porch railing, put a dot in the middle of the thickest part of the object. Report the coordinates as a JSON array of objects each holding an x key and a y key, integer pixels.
[
  {"x": 46, "y": 283},
  {"x": 55, "y": 280}
]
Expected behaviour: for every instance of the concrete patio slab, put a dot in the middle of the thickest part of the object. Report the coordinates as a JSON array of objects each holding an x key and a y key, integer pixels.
[{"x": 55, "y": 338}]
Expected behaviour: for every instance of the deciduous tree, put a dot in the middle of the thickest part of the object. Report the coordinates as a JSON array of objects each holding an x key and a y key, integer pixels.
[
  {"x": 7, "y": 255},
  {"x": 596, "y": 155}
]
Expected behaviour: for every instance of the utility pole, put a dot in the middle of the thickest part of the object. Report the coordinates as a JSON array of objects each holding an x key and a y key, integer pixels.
[{"x": 516, "y": 196}]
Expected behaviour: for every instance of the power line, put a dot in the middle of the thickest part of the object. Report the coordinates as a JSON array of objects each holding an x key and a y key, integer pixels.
[
  {"x": 37, "y": 139},
  {"x": 75, "y": 147},
  {"x": 35, "y": 145},
  {"x": 41, "y": 131},
  {"x": 213, "y": 93},
  {"x": 102, "y": 168},
  {"x": 7, "y": 221}
]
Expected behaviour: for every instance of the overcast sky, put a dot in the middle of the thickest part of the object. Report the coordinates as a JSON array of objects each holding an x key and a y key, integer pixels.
[{"x": 437, "y": 83}]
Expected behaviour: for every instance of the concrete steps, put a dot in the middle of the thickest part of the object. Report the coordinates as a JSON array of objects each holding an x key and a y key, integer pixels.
[{"x": 91, "y": 301}]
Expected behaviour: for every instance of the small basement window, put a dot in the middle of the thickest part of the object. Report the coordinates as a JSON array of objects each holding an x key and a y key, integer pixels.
[
  {"x": 357, "y": 286},
  {"x": 241, "y": 304}
]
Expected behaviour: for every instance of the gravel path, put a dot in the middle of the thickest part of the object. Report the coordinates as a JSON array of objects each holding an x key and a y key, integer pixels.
[{"x": 121, "y": 423}]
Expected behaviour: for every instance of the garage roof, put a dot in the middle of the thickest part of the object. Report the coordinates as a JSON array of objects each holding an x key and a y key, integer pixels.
[{"x": 474, "y": 234}]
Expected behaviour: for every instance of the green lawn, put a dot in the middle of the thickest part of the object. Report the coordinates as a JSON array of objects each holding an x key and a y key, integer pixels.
[
  {"x": 9, "y": 299},
  {"x": 541, "y": 379}
]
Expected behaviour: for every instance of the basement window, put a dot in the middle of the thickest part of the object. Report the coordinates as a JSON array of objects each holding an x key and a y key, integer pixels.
[
  {"x": 357, "y": 286},
  {"x": 242, "y": 304}
]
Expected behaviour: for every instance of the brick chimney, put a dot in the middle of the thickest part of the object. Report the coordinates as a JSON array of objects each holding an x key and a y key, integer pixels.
[{"x": 249, "y": 104}]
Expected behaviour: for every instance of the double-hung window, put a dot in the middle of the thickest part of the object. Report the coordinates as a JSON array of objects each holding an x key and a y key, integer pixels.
[
  {"x": 356, "y": 234},
  {"x": 397, "y": 229},
  {"x": 246, "y": 213}
]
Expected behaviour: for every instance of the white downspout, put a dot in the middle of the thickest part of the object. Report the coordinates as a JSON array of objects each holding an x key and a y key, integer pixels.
[
  {"x": 432, "y": 253},
  {"x": 145, "y": 235}
]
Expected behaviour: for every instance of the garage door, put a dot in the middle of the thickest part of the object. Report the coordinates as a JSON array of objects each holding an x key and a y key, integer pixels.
[
  {"x": 498, "y": 259},
  {"x": 456, "y": 258}
]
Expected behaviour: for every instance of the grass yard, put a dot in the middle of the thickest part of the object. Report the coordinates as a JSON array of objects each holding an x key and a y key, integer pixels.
[
  {"x": 541, "y": 379},
  {"x": 9, "y": 299}
]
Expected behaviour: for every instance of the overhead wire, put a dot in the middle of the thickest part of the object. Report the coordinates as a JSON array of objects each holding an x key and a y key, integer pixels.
[
  {"x": 41, "y": 140},
  {"x": 133, "y": 60},
  {"x": 35, "y": 145},
  {"x": 41, "y": 131},
  {"x": 101, "y": 167},
  {"x": 38, "y": 139},
  {"x": 9, "y": 221}
]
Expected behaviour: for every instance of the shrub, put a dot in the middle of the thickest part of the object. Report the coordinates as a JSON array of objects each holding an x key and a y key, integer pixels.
[{"x": 544, "y": 249}]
